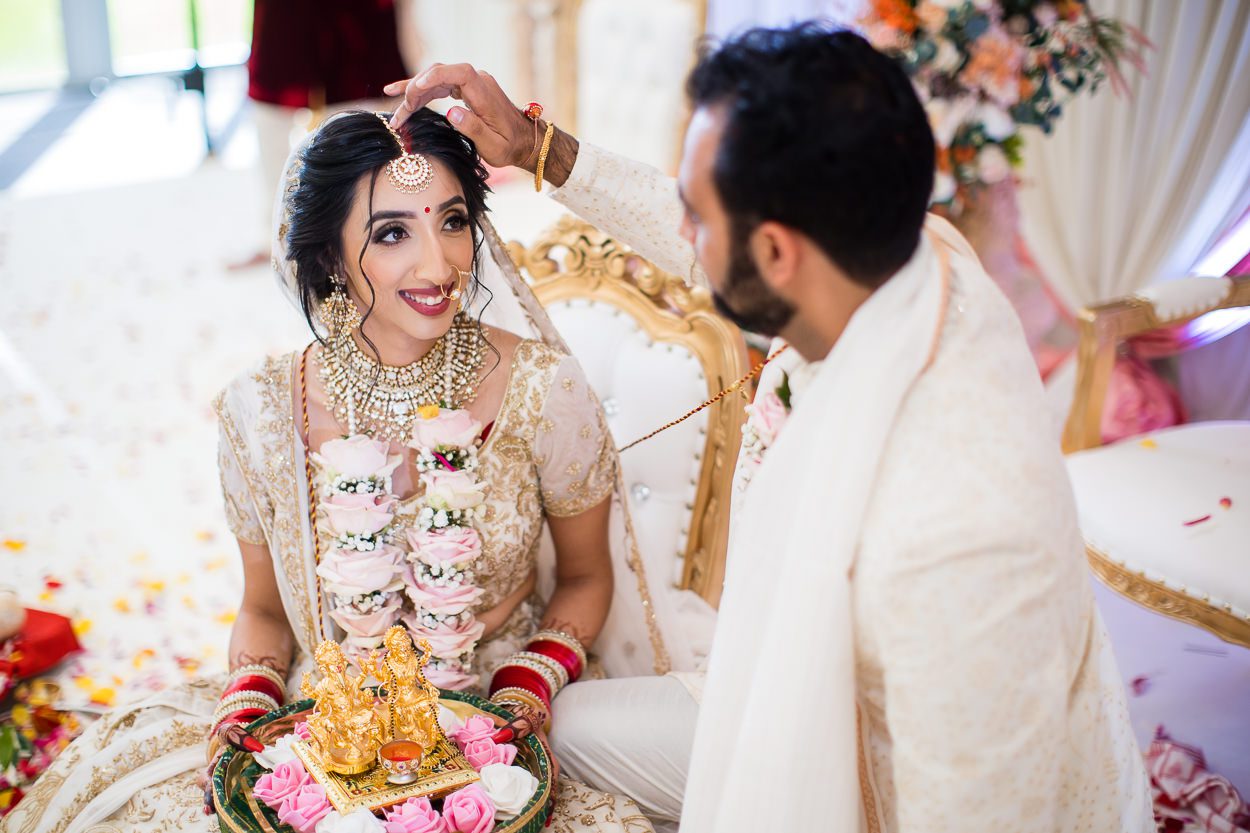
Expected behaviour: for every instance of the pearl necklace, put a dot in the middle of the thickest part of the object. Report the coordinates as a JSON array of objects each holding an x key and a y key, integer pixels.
[{"x": 372, "y": 398}]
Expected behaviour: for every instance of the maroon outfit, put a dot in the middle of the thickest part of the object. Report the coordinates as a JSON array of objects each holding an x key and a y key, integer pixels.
[{"x": 309, "y": 53}]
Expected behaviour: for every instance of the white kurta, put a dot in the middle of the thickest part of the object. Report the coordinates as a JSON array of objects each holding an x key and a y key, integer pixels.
[{"x": 988, "y": 693}]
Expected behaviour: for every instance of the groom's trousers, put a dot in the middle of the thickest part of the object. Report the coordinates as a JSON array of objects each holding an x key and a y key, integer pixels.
[{"x": 629, "y": 736}]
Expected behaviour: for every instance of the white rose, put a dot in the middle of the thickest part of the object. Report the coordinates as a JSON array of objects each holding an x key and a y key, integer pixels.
[
  {"x": 508, "y": 787},
  {"x": 945, "y": 117},
  {"x": 360, "y": 821},
  {"x": 278, "y": 754},
  {"x": 448, "y": 720},
  {"x": 948, "y": 57},
  {"x": 943, "y": 187},
  {"x": 992, "y": 165},
  {"x": 997, "y": 122}
]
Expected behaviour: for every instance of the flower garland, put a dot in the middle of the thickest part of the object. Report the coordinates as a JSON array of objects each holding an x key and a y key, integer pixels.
[
  {"x": 372, "y": 581},
  {"x": 766, "y": 416},
  {"x": 502, "y": 793},
  {"x": 986, "y": 68}
]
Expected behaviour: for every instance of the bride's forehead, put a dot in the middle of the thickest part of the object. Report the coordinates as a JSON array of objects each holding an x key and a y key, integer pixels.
[{"x": 442, "y": 187}]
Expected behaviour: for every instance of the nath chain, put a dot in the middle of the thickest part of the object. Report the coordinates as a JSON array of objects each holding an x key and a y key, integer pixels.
[{"x": 734, "y": 388}]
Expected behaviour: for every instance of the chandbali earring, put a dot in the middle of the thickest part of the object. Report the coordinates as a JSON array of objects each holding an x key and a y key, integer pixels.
[
  {"x": 455, "y": 294},
  {"x": 338, "y": 311}
]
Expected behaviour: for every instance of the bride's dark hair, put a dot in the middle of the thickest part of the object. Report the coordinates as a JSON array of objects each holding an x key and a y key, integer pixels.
[{"x": 345, "y": 148}]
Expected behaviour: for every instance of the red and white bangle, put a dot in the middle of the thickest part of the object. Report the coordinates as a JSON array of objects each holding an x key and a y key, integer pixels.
[{"x": 561, "y": 647}]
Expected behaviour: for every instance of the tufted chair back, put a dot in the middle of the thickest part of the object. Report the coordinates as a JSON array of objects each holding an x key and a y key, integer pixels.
[{"x": 652, "y": 348}]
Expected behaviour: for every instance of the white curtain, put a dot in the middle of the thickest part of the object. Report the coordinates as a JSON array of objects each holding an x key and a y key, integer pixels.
[
  {"x": 1134, "y": 190},
  {"x": 728, "y": 16}
]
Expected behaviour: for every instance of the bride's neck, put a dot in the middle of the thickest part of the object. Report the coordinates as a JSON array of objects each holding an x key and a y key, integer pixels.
[{"x": 397, "y": 350}]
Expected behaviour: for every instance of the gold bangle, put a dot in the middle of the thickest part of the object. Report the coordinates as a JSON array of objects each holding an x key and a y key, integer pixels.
[
  {"x": 542, "y": 156},
  {"x": 567, "y": 640}
]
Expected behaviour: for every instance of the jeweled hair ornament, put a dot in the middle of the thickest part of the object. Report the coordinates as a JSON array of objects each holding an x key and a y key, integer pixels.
[{"x": 411, "y": 173}]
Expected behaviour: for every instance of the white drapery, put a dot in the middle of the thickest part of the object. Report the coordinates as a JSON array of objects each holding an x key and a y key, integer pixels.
[{"x": 1134, "y": 190}]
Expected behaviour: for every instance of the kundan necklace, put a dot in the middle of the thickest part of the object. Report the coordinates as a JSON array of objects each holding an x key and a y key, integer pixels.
[{"x": 372, "y": 398}]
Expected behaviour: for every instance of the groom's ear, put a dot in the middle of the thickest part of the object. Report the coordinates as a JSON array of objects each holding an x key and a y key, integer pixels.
[{"x": 777, "y": 251}]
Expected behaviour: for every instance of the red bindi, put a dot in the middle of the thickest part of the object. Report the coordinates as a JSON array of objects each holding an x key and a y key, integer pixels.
[{"x": 427, "y": 209}]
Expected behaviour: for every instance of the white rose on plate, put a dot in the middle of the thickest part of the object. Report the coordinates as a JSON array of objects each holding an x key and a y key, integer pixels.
[
  {"x": 360, "y": 821},
  {"x": 508, "y": 787},
  {"x": 277, "y": 754},
  {"x": 448, "y": 720}
]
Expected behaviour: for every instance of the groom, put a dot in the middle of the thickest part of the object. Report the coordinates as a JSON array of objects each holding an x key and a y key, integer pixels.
[{"x": 907, "y": 639}]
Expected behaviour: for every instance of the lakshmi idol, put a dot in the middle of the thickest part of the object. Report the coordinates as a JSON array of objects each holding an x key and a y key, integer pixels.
[{"x": 400, "y": 469}]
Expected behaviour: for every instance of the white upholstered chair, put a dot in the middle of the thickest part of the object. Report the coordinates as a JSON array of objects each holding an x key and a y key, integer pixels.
[
  {"x": 652, "y": 348},
  {"x": 1166, "y": 517}
]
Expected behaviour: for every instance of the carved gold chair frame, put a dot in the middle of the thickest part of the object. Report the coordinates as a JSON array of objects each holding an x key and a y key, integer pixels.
[
  {"x": 1102, "y": 329},
  {"x": 598, "y": 268}
]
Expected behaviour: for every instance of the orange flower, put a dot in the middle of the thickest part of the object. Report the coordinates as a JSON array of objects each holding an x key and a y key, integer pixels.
[
  {"x": 897, "y": 14},
  {"x": 994, "y": 66},
  {"x": 964, "y": 154},
  {"x": 943, "y": 159}
]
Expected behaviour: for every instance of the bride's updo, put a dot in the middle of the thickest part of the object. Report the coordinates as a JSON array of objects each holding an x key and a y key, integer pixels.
[{"x": 345, "y": 148}]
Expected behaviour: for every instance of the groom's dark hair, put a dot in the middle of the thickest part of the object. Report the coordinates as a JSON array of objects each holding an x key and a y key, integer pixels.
[{"x": 823, "y": 134}]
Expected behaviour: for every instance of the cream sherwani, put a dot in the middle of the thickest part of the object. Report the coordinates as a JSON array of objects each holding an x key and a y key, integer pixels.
[{"x": 984, "y": 694}]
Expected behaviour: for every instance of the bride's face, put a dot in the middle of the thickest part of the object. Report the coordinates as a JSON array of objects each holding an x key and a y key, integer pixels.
[{"x": 416, "y": 242}]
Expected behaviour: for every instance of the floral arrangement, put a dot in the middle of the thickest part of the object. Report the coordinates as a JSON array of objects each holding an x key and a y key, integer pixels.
[
  {"x": 376, "y": 571},
  {"x": 499, "y": 796},
  {"x": 32, "y": 734},
  {"x": 987, "y": 68}
]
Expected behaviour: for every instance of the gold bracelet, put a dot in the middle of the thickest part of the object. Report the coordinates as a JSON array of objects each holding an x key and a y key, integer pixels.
[
  {"x": 542, "y": 156},
  {"x": 258, "y": 670}
]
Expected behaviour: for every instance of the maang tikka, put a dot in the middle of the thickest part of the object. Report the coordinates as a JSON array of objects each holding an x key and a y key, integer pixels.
[
  {"x": 338, "y": 311},
  {"x": 411, "y": 173}
]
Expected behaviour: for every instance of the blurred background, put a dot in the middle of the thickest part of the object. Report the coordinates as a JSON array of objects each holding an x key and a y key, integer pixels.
[{"x": 141, "y": 140}]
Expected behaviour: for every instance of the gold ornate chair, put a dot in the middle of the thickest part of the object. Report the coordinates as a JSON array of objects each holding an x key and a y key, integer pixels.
[
  {"x": 652, "y": 348},
  {"x": 1166, "y": 517}
]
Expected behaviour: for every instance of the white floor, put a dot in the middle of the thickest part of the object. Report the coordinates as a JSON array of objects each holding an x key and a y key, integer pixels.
[{"x": 118, "y": 322}]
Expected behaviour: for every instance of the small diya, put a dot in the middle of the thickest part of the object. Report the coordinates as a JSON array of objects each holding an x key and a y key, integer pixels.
[{"x": 401, "y": 759}]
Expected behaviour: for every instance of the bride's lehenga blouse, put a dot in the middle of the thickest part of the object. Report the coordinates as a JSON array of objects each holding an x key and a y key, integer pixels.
[{"x": 547, "y": 453}]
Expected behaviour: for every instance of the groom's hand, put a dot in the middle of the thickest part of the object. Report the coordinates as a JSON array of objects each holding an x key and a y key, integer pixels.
[{"x": 504, "y": 135}]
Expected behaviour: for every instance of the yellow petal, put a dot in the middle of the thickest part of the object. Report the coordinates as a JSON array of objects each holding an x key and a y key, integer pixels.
[
  {"x": 227, "y": 617},
  {"x": 428, "y": 411},
  {"x": 204, "y": 536},
  {"x": 81, "y": 626},
  {"x": 14, "y": 545},
  {"x": 1147, "y": 442},
  {"x": 121, "y": 605},
  {"x": 103, "y": 696}
]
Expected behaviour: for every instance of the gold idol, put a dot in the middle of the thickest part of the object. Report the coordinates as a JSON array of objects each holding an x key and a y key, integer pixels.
[
  {"x": 411, "y": 699},
  {"x": 345, "y": 728}
]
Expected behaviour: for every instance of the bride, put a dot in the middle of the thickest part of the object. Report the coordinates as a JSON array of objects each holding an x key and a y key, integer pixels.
[{"x": 382, "y": 240}]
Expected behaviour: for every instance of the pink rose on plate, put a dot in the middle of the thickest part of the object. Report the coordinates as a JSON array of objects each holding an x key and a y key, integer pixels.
[
  {"x": 477, "y": 727},
  {"x": 303, "y": 808},
  {"x": 357, "y": 457},
  {"x": 453, "y": 489},
  {"x": 450, "y": 429},
  {"x": 469, "y": 810},
  {"x": 451, "y": 547},
  {"x": 285, "y": 779},
  {"x": 484, "y": 752},
  {"x": 301, "y": 730},
  {"x": 767, "y": 415},
  {"x": 451, "y": 679},
  {"x": 350, "y": 514},
  {"x": 351, "y": 573},
  {"x": 450, "y": 641},
  {"x": 444, "y": 601},
  {"x": 414, "y": 816}
]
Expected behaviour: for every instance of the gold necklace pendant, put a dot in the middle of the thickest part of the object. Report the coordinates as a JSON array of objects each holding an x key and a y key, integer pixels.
[{"x": 381, "y": 400}]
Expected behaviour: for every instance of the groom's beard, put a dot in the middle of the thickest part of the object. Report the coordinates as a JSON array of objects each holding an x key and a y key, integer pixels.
[{"x": 746, "y": 300}]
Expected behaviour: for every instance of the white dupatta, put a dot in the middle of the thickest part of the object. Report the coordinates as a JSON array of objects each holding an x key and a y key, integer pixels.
[{"x": 776, "y": 743}]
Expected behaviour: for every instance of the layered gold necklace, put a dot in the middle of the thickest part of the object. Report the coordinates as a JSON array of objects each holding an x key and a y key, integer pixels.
[{"x": 368, "y": 397}]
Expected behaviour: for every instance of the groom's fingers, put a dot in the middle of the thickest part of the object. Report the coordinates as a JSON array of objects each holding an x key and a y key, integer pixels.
[{"x": 490, "y": 145}]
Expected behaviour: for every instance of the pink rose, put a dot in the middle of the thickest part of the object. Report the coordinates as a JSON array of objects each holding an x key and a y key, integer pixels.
[
  {"x": 448, "y": 641},
  {"x": 358, "y": 514},
  {"x": 450, "y": 547},
  {"x": 414, "y": 816},
  {"x": 357, "y": 458},
  {"x": 287, "y": 778},
  {"x": 366, "y": 629},
  {"x": 451, "y": 679},
  {"x": 453, "y": 489},
  {"x": 477, "y": 727},
  {"x": 768, "y": 416},
  {"x": 303, "y": 808},
  {"x": 301, "y": 730},
  {"x": 484, "y": 752},
  {"x": 468, "y": 810},
  {"x": 450, "y": 429},
  {"x": 351, "y": 573},
  {"x": 444, "y": 601}
]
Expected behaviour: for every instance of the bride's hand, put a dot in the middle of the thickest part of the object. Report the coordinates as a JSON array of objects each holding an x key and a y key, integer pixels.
[
  {"x": 503, "y": 134},
  {"x": 525, "y": 722}
]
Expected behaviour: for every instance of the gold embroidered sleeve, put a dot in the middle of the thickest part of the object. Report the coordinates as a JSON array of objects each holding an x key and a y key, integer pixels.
[
  {"x": 241, "y": 514},
  {"x": 573, "y": 448}
]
